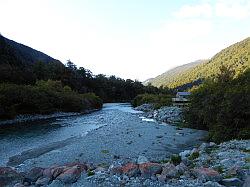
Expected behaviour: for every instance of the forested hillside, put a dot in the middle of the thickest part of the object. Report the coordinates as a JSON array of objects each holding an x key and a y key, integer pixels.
[
  {"x": 235, "y": 57},
  {"x": 173, "y": 74}
]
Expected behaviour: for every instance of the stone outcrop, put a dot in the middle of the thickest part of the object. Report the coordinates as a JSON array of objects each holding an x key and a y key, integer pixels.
[{"x": 164, "y": 114}]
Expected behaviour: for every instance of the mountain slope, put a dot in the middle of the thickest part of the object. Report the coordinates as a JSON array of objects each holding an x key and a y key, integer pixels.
[
  {"x": 235, "y": 57},
  {"x": 23, "y": 54},
  {"x": 21, "y": 64},
  {"x": 172, "y": 75}
]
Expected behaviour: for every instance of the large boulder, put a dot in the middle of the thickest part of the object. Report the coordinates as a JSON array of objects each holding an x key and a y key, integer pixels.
[
  {"x": 150, "y": 169},
  {"x": 168, "y": 171},
  {"x": 70, "y": 174}
]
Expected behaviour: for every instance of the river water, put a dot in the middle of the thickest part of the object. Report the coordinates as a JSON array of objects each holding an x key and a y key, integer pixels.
[{"x": 117, "y": 129}]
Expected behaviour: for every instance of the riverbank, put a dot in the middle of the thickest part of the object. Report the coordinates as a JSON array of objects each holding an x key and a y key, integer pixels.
[{"x": 36, "y": 117}]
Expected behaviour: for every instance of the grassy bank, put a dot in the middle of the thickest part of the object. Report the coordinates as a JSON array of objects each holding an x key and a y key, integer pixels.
[{"x": 43, "y": 98}]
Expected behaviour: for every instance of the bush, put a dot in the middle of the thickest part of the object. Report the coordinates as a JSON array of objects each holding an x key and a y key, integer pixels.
[
  {"x": 194, "y": 155},
  {"x": 158, "y": 100},
  {"x": 175, "y": 159},
  {"x": 43, "y": 98},
  {"x": 222, "y": 107}
]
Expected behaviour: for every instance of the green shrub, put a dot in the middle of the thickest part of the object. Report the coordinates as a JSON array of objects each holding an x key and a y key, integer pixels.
[
  {"x": 194, "y": 155},
  {"x": 158, "y": 100},
  {"x": 175, "y": 159},
  {"x": 91, "y": 173},
  {"x": 43, "y": 98}
]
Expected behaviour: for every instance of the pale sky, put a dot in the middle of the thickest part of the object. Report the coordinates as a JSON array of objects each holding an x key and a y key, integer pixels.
[{"x": 136, "y": 39}]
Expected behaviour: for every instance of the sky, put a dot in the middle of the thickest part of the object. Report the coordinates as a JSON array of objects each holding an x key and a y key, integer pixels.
[{"x": 136, "y": 39}]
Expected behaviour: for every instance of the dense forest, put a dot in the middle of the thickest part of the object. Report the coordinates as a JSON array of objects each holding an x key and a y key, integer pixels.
[
  {"x": 236, "y": 56},
  {"x": 22, "y": 69},
  {"x": 222, "y": 106},
  {"x": 173, "y": 74}
]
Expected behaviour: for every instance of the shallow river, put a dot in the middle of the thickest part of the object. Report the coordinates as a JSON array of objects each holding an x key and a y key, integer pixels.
[{"x": 117, "y": 129}]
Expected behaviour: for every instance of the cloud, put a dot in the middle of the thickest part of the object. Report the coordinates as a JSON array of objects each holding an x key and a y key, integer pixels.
[
  {"x": 239, "y": 9},
  {"x": 201, "y": 10},
  {"x": 233, "y": 9}
]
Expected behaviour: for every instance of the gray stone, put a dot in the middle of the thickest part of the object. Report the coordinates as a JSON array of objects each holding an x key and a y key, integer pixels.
[
  {"x": 56, "y": 183},
  {"x": 142, "y": 160},
  {"x": 212, "y": 144},
  {"x": 181, "y": 168},
  {"x": 168, "y": 171},
  {"x": 185, "y": 153},
  {"x": 232, "y": 182},
  {"x": 19, "y": 185},
  {"x": 203, "y": 146},
  {"x": 212, "y": 184},
  {"x": 42, "y": 181}
]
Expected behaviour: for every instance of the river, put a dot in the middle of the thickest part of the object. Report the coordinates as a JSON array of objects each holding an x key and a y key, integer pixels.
[{"x": 116, "y": 131}]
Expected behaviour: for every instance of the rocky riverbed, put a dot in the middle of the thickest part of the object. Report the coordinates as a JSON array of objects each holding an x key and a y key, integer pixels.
[
  {"x": 117, "y": 147},
  {"x": 209, "y": 165}
]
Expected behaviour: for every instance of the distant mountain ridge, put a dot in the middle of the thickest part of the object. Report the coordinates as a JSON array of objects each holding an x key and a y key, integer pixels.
[
  {"x": 235, "y": 57},
  {"x": 24, "y": 54}
]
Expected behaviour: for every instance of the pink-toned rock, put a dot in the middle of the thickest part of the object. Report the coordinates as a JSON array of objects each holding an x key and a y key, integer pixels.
[
  {"x": 8, "y": 176},
  {"x": 207, "y": 174},
  {"x": 130, "y": 169},
  {"x": 70, "y": 175},
  {"x": 150, "y": 169}
]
